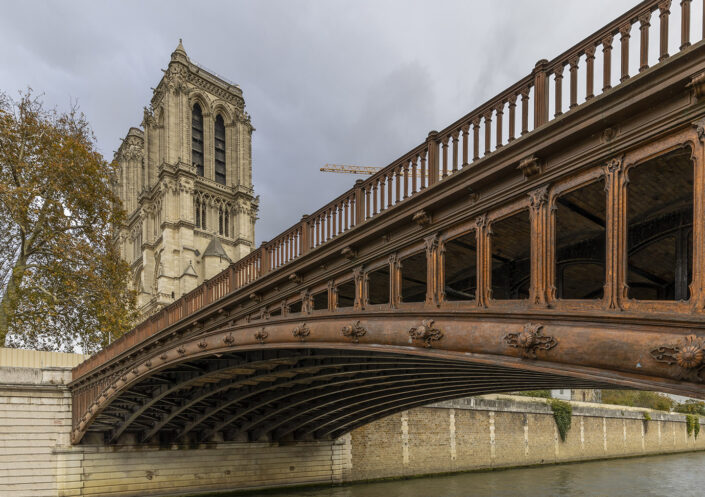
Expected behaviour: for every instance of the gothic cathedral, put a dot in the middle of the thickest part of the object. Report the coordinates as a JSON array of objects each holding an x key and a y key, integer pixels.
[{"x": 185, "y": 180}]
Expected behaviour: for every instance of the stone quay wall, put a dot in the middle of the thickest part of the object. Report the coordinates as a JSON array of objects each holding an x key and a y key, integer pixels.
[{"x": 37, "y": 460}]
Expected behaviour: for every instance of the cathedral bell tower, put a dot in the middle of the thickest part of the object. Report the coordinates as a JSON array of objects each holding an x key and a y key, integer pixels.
[{"x": 185, "y": 180}]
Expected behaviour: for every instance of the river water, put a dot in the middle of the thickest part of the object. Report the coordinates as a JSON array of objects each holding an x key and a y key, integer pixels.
[{"x": 677, "y": 475}]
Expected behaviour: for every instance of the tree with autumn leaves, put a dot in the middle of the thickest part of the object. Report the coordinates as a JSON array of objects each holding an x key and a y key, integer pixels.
[{"x": 63, "y": 285}]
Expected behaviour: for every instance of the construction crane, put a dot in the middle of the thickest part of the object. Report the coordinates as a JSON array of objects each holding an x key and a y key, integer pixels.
[{"x": 348, "y": 169}]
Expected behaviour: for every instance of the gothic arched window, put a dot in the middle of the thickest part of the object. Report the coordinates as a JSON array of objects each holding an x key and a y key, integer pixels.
[
  {"x": 219, "y": 150},
  {"x": 200, "y": 216},
  {"x": 197, "y": 139}
]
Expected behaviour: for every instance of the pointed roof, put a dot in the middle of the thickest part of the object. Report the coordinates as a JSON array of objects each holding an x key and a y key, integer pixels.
[
  {"x": 179, "y": 52},
  {"x": 215, "y": 248},
  {"x": 189, "y": 271},
  {"x": 180, "y": 47}
]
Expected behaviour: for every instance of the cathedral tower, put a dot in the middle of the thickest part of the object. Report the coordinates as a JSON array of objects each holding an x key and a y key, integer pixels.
[{"x": 185, "y": 180}]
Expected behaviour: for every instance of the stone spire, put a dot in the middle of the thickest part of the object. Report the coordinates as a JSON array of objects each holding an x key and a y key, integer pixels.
[{"x": 179, "y": 53}]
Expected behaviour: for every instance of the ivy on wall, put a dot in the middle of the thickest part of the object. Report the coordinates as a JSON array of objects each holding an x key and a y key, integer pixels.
[
  {"x": 562, "y": 414},
  {"x": 692, "y": 423}
]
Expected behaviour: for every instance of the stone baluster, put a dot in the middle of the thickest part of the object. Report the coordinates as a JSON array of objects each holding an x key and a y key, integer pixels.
[
  {"x": 624, "y": 31},
  {"x": 607, "y": 62},
  {"x": 644, "y": 24},
  {"x": 664, "y": 11}
]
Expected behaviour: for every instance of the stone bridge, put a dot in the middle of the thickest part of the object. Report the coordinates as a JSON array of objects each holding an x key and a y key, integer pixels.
[{"x": 537, "y": 242}]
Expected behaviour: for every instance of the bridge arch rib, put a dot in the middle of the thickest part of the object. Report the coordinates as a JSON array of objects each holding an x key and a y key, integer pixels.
[{"x": 228, "y": 385}]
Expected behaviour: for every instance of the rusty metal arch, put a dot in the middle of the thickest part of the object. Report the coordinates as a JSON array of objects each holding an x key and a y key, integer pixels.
[
  {"x": 301, "y": 399},
  {"x": 223, "y": 342},
  {"x": 228, "y": 399},
  {"x": 344, "y": 408},
  {"x": 233, "y": 417}
]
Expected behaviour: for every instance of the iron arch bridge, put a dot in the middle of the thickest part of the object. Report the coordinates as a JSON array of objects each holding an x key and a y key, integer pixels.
[{"x": 537, "y": 242}]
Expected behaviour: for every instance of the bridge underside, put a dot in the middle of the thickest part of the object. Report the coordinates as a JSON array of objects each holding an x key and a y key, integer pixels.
[{"x": 296, "y": 394}]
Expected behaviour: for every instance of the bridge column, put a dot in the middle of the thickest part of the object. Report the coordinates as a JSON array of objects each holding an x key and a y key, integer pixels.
[
  {"x": 616, "y": 233},
  {"x": 542, "y": 289},
  {"x": 483, "y": 294},
  {"x": 697, "y": 285},
  {"x": 358, "y": 278},
  {"x": 433, "y": 290},
  {"x": 394, "y": 281}
]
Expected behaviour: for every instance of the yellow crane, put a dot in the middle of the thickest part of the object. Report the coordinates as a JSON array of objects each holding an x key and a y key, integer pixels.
[
  {"x": 349, "y": 169},
  {"x": 352, "y": 169}
]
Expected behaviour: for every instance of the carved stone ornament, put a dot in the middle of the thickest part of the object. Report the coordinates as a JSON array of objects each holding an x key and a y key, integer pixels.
[
  {"x": 301, "y": 332},
  {"x": 348, "y": 253},
  {"x": 687, "y": 355},
  {"x": 181, "y": 350},
  {"x": 530, "y": 340},
  {"x": 163, "y": 357},
  {"x": 256, "y": 297},
  {"x": 202, "y": 344},
  {"x": 148, "y": 363},
  {"x": 538, "y": 197},
  {"x": 261, "y": 335},
  {"x": 700, "y": 129},
  {"x": 530, "y": 166},
  {"x": 608, "y": 134},
  {"x": 422, "y": 218},
  {"x": 295, "y": 278},
  {"x": 229, "y": 340},
  {"x": 426, "y": 332},
  {"x": 697, "y": 85},
  {"x": 354, "y": 331}
]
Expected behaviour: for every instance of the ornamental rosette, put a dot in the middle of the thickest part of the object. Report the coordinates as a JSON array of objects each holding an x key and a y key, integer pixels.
[
  {"x": 426, "y": 332},
  {"x": 688, "y": 356},
  {"x": 301, "y": 332},
  {"x": 530, "y": 340},
  {"x": 261, "y": 335},
  {"x": 354, "y": 331}
]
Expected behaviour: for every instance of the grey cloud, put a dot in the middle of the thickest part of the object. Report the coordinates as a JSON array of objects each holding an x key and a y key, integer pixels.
[{"x": 325, "y": 81}]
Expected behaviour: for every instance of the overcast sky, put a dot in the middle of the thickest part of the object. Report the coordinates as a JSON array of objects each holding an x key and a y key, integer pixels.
[{"x": 353, "y": 82}]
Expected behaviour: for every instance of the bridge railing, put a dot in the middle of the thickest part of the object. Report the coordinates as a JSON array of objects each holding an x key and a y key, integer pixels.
[{"x": 531, "y": 102}]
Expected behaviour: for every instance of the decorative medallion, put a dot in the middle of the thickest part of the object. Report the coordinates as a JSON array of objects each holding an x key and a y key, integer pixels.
[
  {"x": 426, "y": 332},
  {"x": 530, "y": 166},
  {"x": 530, "y": 340},
  {"x": 354, "y": 331},
  {"x": 148, "y": 364},
  {"x": 229, "y": 340},
  {"x": 687, "y": 355},
  {"x": 422, "y": 218},
  {"x": 261, "y": 335},
  {"x": 202, "y": 344},
  {"x": 181, "y": 350},
  {"x": 349, "y": 253},
  {"x": 301, "y": 332},
  {"x": 163, "y": 357}
]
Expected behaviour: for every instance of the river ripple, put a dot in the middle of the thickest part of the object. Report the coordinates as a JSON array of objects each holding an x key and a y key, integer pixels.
[{"x": 677, "y": 475}]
